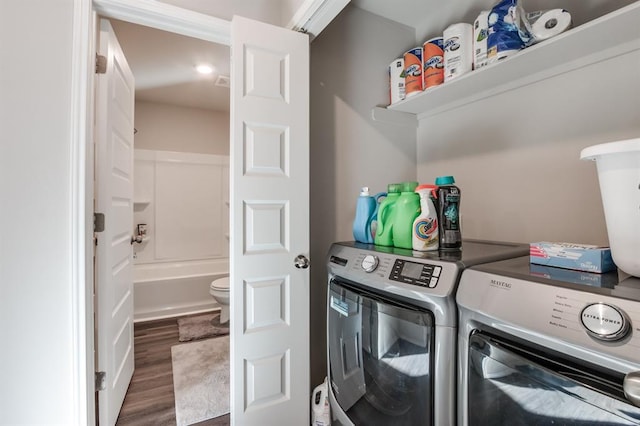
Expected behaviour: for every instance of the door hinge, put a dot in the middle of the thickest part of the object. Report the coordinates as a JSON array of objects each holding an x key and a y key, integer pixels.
[
  {"x": 101, "y": 380},
  {"x": 101, "y": 64},
  {"x": 98, "y": 222}
]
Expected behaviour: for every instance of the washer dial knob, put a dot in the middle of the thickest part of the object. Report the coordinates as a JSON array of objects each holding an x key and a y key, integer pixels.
[{"x": 370, "y": 263}]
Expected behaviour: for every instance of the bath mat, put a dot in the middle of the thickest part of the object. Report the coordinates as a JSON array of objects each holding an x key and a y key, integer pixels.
[
  {"x": 201, "y": 379},
  {"x": 201, "y": 327}
]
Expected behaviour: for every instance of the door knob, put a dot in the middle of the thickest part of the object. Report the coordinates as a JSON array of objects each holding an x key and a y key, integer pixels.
[
  {"x": 301, "y": 262},
  {"x": 136, "y": 239}
]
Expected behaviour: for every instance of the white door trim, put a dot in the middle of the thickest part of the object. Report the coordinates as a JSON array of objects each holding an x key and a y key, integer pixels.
[
  {"x": 81, "y": 208},
  {"x": 167, "y": 17},
  {"x": 314, "y": 15}
]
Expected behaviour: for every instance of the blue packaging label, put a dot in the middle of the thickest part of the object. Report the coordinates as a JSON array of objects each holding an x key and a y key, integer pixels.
[
  {"x": 482, "y": 34},
  {"x": 452, "y": 44},
  {"x": 434, "y": 62}
]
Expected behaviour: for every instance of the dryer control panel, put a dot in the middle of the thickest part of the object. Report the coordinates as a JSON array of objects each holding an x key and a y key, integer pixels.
[{"x": 415, "y": 273}]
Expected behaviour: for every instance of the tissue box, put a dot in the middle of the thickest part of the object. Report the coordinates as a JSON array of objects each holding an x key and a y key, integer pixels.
[
  {"x": 580, "y": 257},
  {"x": 604, "y": 280}
]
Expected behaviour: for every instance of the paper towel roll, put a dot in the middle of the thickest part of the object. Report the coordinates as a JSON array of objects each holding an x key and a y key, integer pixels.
[
  {"x": 546, "y": 24},
  {"x": 396, "y": 80},
  {"x": 458, "y": 50}
]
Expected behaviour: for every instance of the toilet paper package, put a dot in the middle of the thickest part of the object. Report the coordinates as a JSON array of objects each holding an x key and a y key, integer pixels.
[
  {"x": 480, "y": 34},
  {"x": 433, "y": 58},
  {"x": 413, "y": 81},
  {"x": 507, "y": 31},
  {"x": 458, "y": 50},
  {"x": 544, "y": 24}
]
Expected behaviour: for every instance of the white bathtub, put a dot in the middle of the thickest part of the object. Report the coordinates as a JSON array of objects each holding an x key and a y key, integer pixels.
[{"x": 162, "y": 290}]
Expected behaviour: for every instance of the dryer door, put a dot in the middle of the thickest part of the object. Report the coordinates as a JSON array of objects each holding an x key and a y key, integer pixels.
[
  {"x": 380, "y": 358},
  {"x": 517, "y": 384}
]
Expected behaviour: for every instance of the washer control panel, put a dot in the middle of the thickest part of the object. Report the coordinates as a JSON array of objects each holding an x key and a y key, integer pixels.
[{"x": 415, "y": 273}]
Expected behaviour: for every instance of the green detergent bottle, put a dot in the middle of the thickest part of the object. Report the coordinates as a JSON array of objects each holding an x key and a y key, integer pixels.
[
  {"x": 384, "y": 232},
  {"x": 407, "y": 208}
]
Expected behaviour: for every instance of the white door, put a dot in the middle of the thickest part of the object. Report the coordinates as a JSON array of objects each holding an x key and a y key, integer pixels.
[
  {"x": 270, "y": 225},
  {"x": 114, "y": 198}
]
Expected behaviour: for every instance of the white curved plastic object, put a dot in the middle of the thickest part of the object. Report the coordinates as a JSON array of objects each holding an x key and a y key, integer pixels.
[{"x": 618, "y": 165}]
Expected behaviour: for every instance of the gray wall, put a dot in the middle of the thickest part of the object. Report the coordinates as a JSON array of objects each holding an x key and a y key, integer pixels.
[
  {"x": 349, "y": 61},
  {"x": 517, "y": 163},
  {"x": 39, "y": 276},
  {"x": 516, "y": 156}
]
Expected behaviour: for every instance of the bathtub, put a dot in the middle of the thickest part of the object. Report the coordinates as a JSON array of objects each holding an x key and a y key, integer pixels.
[{"x": 169, "y": 289}]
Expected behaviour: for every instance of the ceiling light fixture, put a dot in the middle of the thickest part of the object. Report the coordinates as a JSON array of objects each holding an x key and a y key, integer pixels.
[{"x": 204, "y": 69}]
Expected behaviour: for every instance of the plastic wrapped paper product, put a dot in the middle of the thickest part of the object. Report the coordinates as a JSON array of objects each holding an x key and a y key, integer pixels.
[
  {"x": 396, "y": 80},
  {"x": 433, "y": 58},
  {"x": 458, "y": 50},
  {"x": 507, "y": 31},
  {"x": 413, "y": 81},
  {"x": 480, "y": 33}
]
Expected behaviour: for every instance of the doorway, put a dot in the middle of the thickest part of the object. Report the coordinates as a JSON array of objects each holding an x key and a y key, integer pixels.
[
  {"x": 114, "y": 126},
  {"x": 180, "y": 167}
]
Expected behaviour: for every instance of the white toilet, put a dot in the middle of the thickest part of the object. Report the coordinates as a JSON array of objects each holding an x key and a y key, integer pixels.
[{"x": 219, "y": 289}]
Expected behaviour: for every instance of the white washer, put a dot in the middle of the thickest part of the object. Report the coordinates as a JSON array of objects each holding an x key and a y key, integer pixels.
[{"x": 391, "y": 331}]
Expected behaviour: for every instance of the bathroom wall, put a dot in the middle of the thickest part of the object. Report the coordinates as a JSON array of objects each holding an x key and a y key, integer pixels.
[
  {"x": 183, "y": 198},
  {"x": 175, "y": 128},
  {"x": 181, "y": 183}
]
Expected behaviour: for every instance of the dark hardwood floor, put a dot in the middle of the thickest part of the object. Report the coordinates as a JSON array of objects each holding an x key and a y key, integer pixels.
[{"x": 150, "y": 398}]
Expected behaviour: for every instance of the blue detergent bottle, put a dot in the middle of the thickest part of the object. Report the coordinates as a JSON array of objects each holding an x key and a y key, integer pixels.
[{"x": 366, "y": 214}]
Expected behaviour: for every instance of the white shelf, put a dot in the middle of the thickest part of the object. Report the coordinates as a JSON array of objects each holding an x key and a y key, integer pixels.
[
  {"x": 139, "y": 205},
  {"x": 611, "y": 35}
]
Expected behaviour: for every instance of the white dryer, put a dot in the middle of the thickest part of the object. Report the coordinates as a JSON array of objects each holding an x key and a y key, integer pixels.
[{"x": 547, "y": 346}]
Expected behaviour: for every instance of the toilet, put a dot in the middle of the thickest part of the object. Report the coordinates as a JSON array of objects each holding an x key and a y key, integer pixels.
[{"x": 219, "y": 289}]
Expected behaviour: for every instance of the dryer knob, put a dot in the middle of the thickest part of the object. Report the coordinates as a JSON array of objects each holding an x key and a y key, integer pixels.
[
  {"x": 605, "y": 322},
  {"x": 370, "y": 263}
]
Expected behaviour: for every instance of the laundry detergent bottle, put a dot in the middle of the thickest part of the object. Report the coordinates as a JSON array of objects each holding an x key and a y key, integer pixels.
[
  {"x": 449, "y": 213},
  {"x": 366, "y": 212},
  {"x": 425, "y": 226},
  {"x": 384, "y": 231},
  {"x": 406, "y": 210}
]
